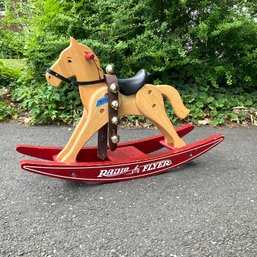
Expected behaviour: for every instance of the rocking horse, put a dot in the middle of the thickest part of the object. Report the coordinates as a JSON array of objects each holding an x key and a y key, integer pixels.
[{"x": 105, "y": 98}]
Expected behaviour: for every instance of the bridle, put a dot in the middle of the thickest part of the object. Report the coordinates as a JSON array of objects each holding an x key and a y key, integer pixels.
[{"x": 74, "y": 83}]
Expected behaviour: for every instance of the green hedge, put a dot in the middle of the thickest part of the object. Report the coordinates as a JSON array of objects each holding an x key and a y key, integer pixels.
[{"x": 206, "y": 49}]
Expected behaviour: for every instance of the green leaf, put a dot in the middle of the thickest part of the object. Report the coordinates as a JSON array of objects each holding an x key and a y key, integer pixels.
[{"x": 210, "y": 99}]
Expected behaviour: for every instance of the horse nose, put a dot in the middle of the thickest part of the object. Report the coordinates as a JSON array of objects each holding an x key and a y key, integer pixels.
[
  {"x": 48, "y": 76},
  {"x": 52, "y": 80}
]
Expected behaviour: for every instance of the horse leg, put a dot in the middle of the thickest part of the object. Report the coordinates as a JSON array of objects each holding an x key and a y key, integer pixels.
[
  {"x": 74, "y": 135},
  {"x": 150, "y": 102},
  {"x": 97, "y": 116}
]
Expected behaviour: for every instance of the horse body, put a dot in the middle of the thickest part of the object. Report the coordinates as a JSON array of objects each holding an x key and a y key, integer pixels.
[{"x": 148, "y": 101}]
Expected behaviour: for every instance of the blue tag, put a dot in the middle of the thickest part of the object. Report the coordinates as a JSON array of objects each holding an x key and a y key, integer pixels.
[{"x": 102, "y": 101}]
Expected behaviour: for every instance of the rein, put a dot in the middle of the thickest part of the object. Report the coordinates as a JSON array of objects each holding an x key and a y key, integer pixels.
[{"x": 74, "y": 83}]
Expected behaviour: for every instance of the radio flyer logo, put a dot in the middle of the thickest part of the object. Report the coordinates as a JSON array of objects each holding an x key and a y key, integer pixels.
[{"x": 158, "y": 165}]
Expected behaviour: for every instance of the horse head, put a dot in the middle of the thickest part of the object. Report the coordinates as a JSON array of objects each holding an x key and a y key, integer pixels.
[{"x": 77, "y": 61}]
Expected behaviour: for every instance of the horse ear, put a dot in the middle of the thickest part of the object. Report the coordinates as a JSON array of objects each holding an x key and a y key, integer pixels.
[{"x": 73, "y": 41}]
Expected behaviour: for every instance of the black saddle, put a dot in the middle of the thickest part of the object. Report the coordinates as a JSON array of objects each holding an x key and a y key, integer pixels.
[{"x": 131, "y": 85}]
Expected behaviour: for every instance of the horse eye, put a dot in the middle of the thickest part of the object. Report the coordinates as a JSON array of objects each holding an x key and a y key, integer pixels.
[{"x": 69, "y": 60}]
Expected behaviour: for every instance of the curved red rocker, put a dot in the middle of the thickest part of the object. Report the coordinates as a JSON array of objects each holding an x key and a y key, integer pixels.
[
  {"x": 105, "y": 98},
  {"x": 129, "y": 161}
]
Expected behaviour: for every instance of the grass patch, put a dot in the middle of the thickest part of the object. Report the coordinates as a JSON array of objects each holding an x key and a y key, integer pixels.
[{"x": 14, "y": 64}]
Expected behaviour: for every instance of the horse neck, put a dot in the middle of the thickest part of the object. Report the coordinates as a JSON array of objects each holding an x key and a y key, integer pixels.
[
  {"x": 87, "y": 91},
  {"x": 88, "y": 73},
  {"x": 87, "y": 70},
  {"x": 84, "y": 74}
]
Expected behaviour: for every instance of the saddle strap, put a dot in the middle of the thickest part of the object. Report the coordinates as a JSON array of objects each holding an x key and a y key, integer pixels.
[
  {"x": 113, "y": 106},
  {"x": 102, "y": 142},
  {"x": 111, "y": 128}
]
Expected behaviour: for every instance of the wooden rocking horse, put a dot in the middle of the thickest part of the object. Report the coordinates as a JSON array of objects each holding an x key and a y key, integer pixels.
[{"x": 105, "y": 98}]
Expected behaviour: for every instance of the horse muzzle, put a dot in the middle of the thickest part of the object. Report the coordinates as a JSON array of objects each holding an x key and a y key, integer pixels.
[{"x": 52, "y": 80}]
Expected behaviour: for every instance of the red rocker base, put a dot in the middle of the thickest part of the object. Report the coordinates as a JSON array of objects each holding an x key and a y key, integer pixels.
[{"x": 130, "y": 160}]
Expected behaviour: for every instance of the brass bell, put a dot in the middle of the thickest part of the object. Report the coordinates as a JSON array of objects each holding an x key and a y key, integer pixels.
[
  {"x": 109, "y": 69},
  {"x": 115, "y": 104},
  {"x": 115, "y": 139},
  {"x": 114, "y": 88},
  {"x": 115, "y": 120}
]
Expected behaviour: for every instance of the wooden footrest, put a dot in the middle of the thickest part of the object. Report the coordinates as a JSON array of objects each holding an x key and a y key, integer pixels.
[
  {"x": 170, "y": 147},
  {"x": 125, "y": 153}
]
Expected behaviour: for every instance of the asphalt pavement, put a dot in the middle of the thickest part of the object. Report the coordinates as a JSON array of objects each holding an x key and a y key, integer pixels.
[{"x": 205, "y": 208}]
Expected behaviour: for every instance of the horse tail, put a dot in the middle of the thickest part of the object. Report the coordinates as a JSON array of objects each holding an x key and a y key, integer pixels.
[{"x": 175, "y": 100}]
